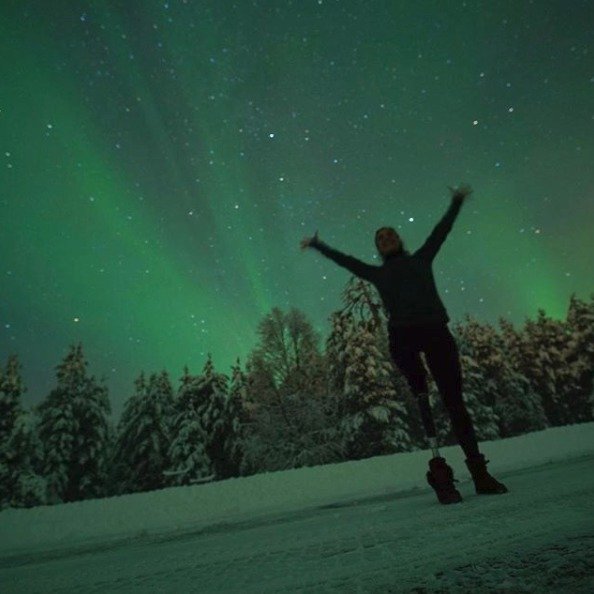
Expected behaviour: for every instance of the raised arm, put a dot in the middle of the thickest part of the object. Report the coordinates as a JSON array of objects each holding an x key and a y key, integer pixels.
[
  {"x": 429, "y": 249},
  {"x": 361, "y": 269}
]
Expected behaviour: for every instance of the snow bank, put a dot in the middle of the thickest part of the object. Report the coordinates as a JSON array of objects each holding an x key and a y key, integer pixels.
[{"x": 191, "y": 508}]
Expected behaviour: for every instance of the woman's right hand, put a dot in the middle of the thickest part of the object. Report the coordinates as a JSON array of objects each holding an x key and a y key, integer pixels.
[
  {"x": 307, "y": 241},
  {"x": 460, "y": 193}
]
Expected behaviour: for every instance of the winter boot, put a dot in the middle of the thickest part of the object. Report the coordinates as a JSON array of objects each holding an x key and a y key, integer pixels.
[
  {"x": 441, "y": 477},
  {"x": 484, "y": 483}
]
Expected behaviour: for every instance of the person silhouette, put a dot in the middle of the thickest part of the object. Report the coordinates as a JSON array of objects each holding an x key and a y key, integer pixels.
[{"x": 418, "y": 323}]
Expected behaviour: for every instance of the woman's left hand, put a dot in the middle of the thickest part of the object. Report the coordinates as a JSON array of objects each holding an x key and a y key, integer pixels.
[{"x": 460, "y": 193}]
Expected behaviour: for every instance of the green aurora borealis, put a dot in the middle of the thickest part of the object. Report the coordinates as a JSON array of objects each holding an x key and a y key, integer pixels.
[{"x": 161, "y": 162}]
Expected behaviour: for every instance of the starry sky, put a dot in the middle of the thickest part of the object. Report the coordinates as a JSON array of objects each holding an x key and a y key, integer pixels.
[{"x": 161, "y": 162}]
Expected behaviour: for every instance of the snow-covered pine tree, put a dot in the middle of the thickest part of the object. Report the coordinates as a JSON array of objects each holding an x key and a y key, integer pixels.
[
  {"x": 412, "y": 416},
  {"x": 517, "y": 407},
  {"x": 237, "y": 419},
  {"x": 477, "y": 390},
  {"x": 187, "y": 455},
  {"x": 11, "y": 389},
  {"x": 110, "y": 471},
  {"x": 189, "y": 461},
  {"x": 211, "y": 407},
  {"x": 580, "y": 356},
  {"x": 73, "y": 428},
  {"x": 516, "y": 350},
  {"x": 121, "y": 480},
  {"x": 144, "y": 435},
  {"x": 375, "y": 420},
  {"x": 342, "y": 323},
  {"x": 336, "y": 368},
  {"x": 485, "y": 420},
  {"x": 28, "y": 487},
  {"x": 164, "y": 400},
  {"x": 543, "y": 358},
  {"x": 93, "y": 442},
  {"x": 481, "y": 342},
  {"x": 57, "y": 431},
  {"x": 185, "y": 380},
  {"x": 363, "y": 302},
  {"x": 20, "y": 450}
]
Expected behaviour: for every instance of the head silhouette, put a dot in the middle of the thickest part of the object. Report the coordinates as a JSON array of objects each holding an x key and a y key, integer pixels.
[{"x": 388, "y": 242}]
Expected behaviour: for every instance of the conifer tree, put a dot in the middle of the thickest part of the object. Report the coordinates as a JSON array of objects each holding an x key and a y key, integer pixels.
[
  {"x": 11, "y": 391},
  {"x": 544, "y": 352},
  {"x": 20, "y": 450},
  {"x": 144, "y": 435},
  {"x": 74, "y": 431},
  {"x": 10, "y": 408},
  {"x": 580, "y": 357},
  {"x": 335, "y": 358},
  {"x": 363, "y": 302},
  {"x": 478, "y": 390},
  {"x": 236, "y": 420},
  {"x": 375, "y": 420},
  {"x": 27, "y": 487},
  {"x": 518, "y": 408},
  {"x": 211, "y": 405},
  {"x": 189, "y": 461},
  {"x": 58, "y": 433},
  {"x": 93, "y": 440},
  {"x": 121, "y": 480},
  {"x": 475, "y": 385}
]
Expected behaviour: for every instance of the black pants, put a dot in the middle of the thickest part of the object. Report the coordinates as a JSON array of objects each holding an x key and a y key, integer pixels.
[{"x": 441, "y": 355}]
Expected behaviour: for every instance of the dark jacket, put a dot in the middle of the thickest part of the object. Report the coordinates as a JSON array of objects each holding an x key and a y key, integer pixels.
[{"x": 405, "y": 282}]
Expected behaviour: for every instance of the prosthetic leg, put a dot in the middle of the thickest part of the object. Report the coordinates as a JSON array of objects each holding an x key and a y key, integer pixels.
[{"x": 440, "y": 475}]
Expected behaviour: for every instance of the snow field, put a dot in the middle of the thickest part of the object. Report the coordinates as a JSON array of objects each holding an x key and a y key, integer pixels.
[{"x": 177, "y": 510}]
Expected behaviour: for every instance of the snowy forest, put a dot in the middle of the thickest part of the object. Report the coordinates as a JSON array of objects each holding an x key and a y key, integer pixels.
[{"x": 294, "y": 404}]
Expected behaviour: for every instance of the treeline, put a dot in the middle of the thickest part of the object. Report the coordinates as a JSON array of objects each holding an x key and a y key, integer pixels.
[{"x": 295, "y": 404}]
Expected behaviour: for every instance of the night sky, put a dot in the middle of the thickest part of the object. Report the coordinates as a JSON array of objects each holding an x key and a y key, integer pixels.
[{"x": 161, "y": 162}]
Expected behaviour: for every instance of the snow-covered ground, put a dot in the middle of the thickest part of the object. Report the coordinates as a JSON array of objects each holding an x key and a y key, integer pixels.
[{"x": 367, "y": 526}]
